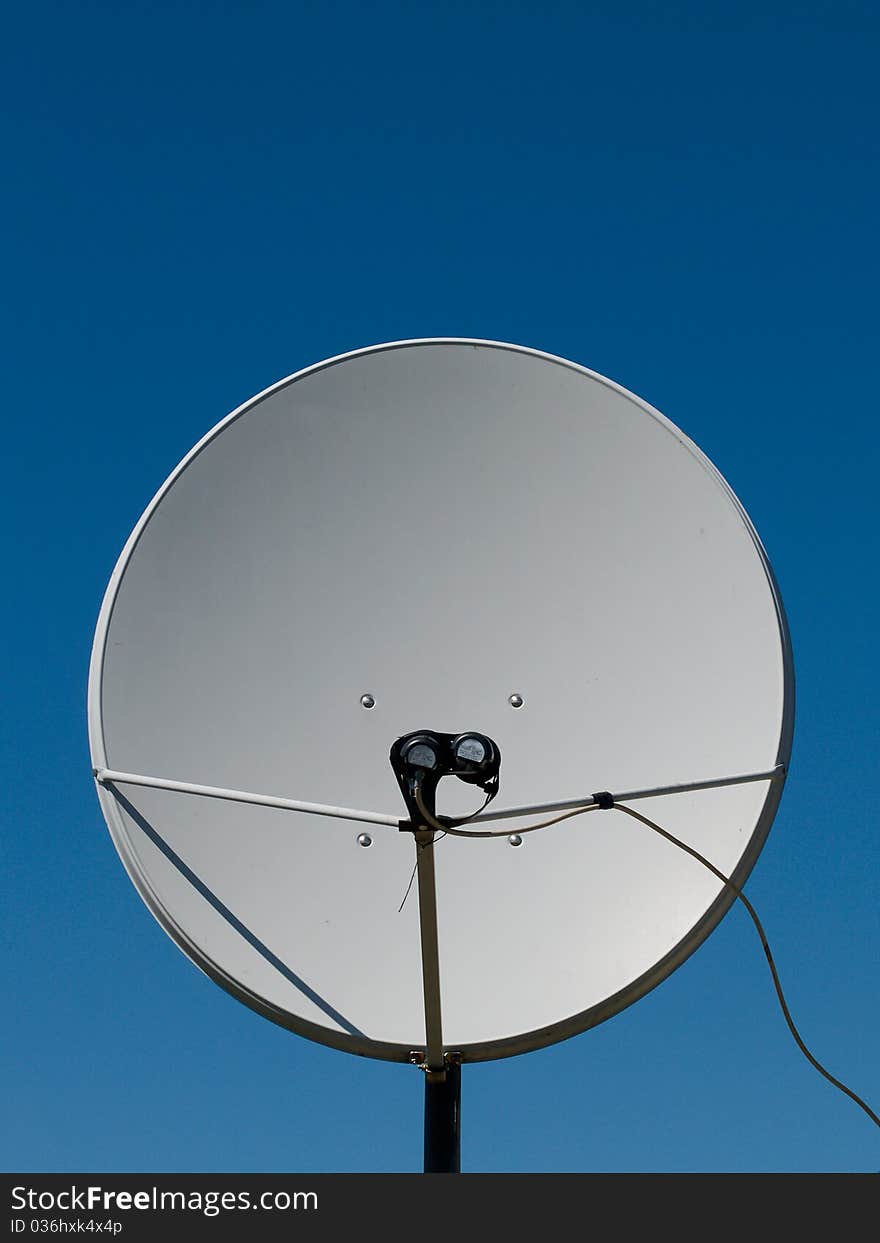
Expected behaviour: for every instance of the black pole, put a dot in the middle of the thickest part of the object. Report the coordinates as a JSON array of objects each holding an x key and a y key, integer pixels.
[{"x": 443, "y": 1121}]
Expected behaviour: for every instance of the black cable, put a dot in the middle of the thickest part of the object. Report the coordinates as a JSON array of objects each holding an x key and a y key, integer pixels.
[
  {"x": 606, "y": 802},
  {"x": 434, "y": 823},
  {"x": 751, "y": 910},
  {"x": 436, "y": 838}
]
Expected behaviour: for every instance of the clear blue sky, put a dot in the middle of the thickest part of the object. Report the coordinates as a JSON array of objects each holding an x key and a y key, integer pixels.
[{"x": 202, "y": 198}]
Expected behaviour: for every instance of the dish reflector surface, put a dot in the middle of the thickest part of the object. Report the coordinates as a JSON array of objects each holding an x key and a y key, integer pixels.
[{"x": 422, "y": 535}]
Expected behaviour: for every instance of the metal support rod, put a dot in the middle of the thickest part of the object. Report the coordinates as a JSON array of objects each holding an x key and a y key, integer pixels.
[
  {"x": 443, "y": 1120},
  {"x": 108, "y": 776},
  {"x": 430, "y": 952},
  {"x": 509, "y": 813}
]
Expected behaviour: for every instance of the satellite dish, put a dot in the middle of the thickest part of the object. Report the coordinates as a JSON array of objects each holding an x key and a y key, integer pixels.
[{"x": 390, "y": 550}]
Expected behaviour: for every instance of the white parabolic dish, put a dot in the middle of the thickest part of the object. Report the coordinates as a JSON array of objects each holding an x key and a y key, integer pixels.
[{"x": 440, "y": 524}]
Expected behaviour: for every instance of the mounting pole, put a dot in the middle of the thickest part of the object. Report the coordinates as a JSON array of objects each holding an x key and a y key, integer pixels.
[
  {"x": 442, "y": 1070},
  {"x": 434, "y": 1060},
  {"x": 443, "y": 1119}
]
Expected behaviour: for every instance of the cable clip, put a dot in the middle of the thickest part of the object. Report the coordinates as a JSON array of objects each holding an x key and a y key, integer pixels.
[{"x": 604, "y": 800}]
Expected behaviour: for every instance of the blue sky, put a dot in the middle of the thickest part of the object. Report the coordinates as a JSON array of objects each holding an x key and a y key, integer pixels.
[{"x": 201, "y": 199}]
